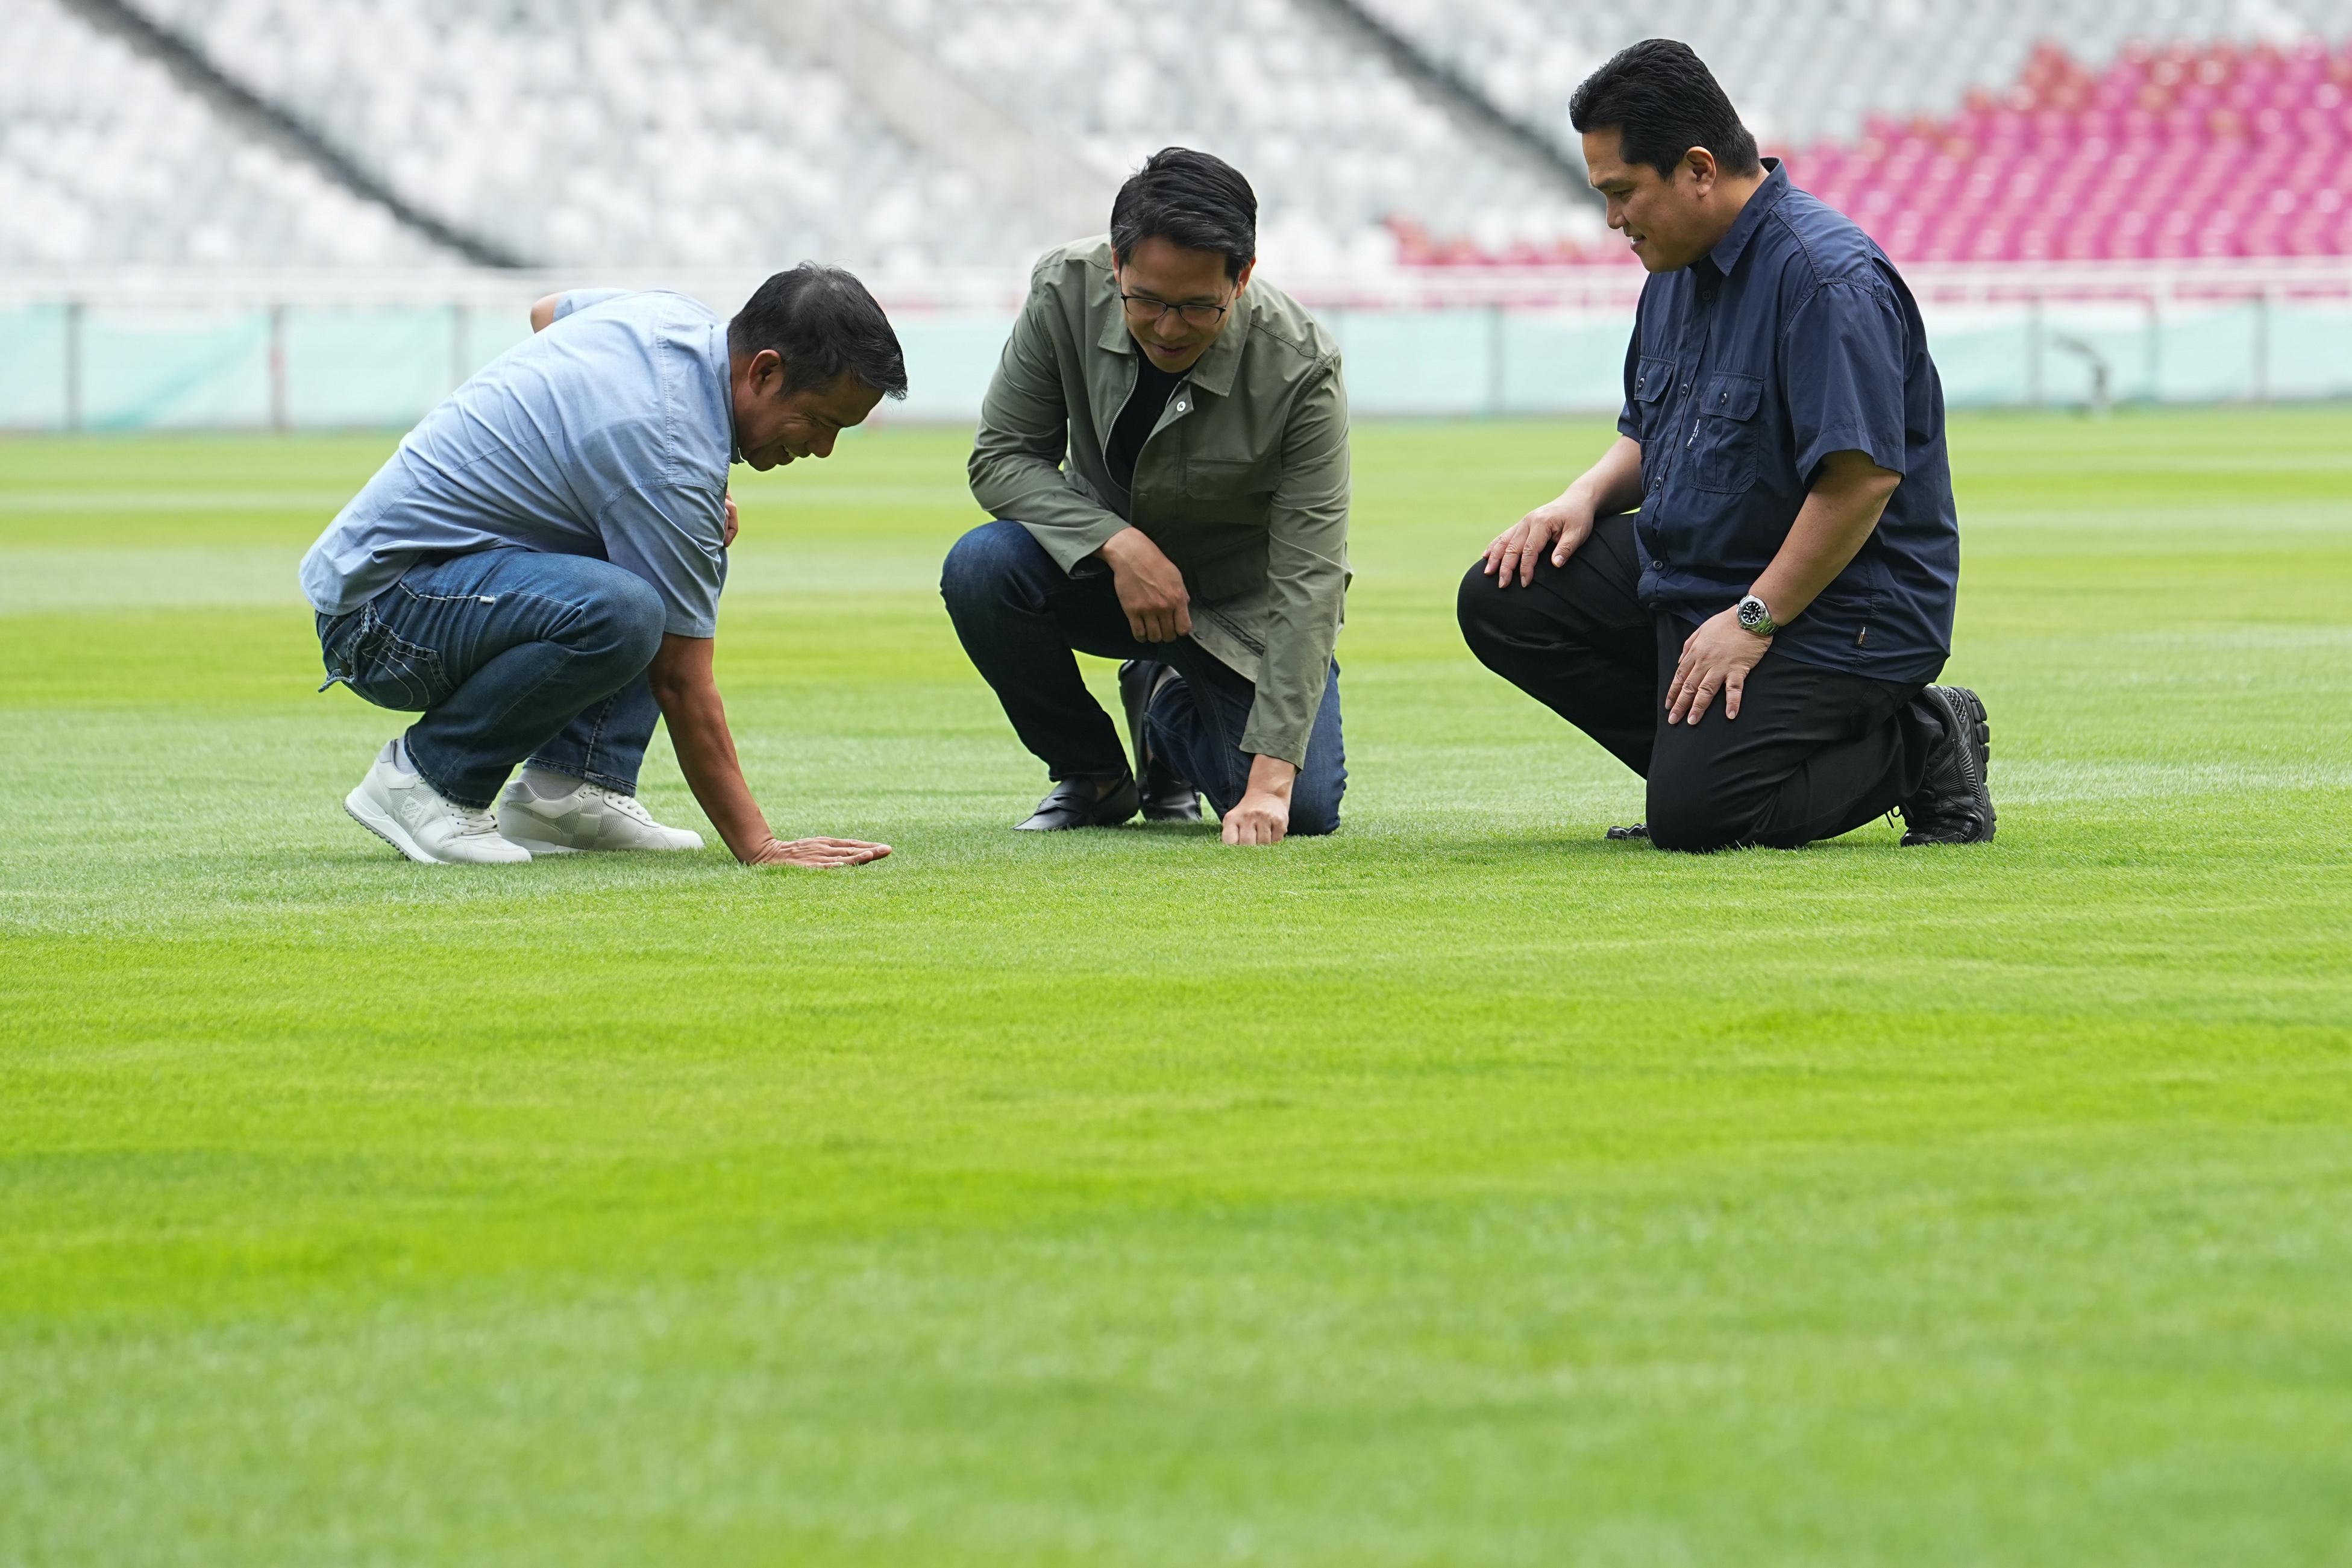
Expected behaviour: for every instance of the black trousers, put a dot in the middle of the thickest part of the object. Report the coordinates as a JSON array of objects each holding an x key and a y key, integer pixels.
[{"x": 1814, "y": 753}]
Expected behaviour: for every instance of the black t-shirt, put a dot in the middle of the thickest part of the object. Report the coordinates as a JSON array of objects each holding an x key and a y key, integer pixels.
[{"x": 1133, "y": 427}]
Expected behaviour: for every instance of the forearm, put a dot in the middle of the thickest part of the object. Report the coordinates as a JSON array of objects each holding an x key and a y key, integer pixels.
[
  {"x": 697, "y": 720},
  {"x": 1831, "y": 528},
  {"x": 1613, "y": 484}
]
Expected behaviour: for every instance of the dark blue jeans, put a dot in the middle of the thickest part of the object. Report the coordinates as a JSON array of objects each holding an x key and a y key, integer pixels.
[
  {"x": 1021, "y": 619},
  {"x": 513, "y": 655}
]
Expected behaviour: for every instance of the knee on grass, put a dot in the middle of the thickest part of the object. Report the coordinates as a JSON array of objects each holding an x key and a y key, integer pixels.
[{"x": 1688, "y": 817}]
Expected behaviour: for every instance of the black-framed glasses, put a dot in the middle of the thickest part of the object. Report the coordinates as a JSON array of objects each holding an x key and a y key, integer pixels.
[{"x": 1145, "y": 310}]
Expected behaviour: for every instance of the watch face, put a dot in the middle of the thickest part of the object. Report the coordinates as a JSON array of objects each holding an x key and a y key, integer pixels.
[{"x": 1752, "y": 614}]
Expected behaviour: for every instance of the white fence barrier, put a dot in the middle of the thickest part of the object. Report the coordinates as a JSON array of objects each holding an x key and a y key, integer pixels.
[{"x": 315, "y": 351}]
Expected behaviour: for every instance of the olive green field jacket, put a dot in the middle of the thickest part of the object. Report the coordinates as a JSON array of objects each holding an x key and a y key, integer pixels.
[{"x": 1243, "y": 483}]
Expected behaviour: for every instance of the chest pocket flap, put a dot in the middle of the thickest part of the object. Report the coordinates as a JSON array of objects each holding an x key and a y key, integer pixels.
[
  {"x": 1724, "y": 437},
  {"x": 1731, "y": 396},
  {"x": 1651, "y": 379}
]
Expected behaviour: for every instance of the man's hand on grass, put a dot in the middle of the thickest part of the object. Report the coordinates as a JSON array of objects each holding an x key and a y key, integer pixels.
[
  {"x": 821, "y": 854},
  {"x": 1559, "y": 526},
  {"x": 1151, "y": 589},
  {"x": 1264, "y": 815},
  {"x": 1715, "y": 658}
]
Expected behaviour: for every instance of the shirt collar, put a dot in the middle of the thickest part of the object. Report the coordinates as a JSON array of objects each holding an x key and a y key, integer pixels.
[
  {"x": 1767, "y": 197},
  {"x": 1213, "y": 371}
]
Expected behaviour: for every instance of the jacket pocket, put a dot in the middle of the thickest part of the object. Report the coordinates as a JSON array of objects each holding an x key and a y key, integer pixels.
[
  {"x": 1725, "y": 435},
  {"x": 1228, "y": 478}
]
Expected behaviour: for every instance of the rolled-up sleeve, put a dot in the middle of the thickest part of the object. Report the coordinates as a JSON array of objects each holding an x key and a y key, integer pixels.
[
  {"x": 1843, "y": 355},
  {"x": 1306, "y": 571},
  {"x": 577, "y": 299},
  {"x": 1628, "y": 426},
  {"x": 1025, "y": 431}
]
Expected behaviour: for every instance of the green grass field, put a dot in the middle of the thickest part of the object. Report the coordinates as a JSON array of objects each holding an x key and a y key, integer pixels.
[{"x": 1460, "y": 1189}]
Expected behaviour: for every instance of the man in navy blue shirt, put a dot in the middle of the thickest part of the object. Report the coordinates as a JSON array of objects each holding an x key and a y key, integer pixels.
[{"x": 1745, "y": 598}]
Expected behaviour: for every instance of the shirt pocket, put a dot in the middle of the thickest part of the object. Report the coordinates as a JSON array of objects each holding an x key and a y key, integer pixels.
[
  {"x": 1725, "y": 439},
  {"x": 1652, "y": 377}
]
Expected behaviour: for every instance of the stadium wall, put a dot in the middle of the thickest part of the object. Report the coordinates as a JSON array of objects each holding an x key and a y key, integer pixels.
[{"x": 334, "y": 349}]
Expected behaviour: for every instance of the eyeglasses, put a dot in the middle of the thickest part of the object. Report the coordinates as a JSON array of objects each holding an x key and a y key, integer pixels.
[{"x": 1145, "y": 310}]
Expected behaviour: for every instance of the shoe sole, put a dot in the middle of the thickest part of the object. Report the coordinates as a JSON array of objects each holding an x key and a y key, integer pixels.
[
  {"x": 1983, "y": 723},
  {"x": 538, "y": 846},
  {"x": 381, "y": 822},
  {"x": 1977, "y": 716},
  {"x": 541, "y": 847}
]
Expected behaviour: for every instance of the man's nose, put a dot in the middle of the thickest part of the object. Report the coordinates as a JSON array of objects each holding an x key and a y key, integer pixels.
[{"x": 822, "y": 446}]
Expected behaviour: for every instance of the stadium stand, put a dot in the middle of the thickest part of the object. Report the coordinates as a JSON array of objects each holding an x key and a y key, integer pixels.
[
  {"x": 617, "y": 132},
  {"x": 1803, "y": 71},
  {"x": 1956, "y": 143},
  {"x": 1337, "y": 141},
  {"x": 2186, "y": 152},
  {"x": 105, "y": 157}
]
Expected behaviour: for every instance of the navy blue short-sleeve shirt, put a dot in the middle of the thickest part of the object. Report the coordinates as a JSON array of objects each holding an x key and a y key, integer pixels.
[{"x": 1792, "y": 339}]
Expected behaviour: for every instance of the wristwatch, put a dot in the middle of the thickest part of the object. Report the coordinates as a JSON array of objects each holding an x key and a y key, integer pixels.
[{"x": 1754, "y": 617}]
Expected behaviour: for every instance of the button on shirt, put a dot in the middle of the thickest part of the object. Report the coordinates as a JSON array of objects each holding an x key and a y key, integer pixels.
[
  {"x": 1792, "y": 339},
  {"x": 607, "y": 435}
]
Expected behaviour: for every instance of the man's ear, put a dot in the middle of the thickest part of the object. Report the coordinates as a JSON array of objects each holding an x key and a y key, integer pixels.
[
  {"x": 767, "y": 371},
  {"x": 1702, "y": 165},
  {"x": 1241, "y": 280}
]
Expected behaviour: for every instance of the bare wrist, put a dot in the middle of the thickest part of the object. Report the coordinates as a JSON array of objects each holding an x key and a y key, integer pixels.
[{"x": 1272, "y": 776}]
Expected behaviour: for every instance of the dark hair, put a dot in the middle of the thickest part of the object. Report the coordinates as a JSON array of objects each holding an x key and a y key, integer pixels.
[
  {"x": 823, "y": 324},
  {"x": 1196, "y": 200},
  {"x": 1664, "y": 102}
]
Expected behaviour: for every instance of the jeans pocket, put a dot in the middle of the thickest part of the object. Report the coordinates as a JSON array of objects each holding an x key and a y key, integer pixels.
[{"x": 365, "y": 654}]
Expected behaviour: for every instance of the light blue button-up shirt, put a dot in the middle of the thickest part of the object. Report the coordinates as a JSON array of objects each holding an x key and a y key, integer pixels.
[{"x": 607, "y": 435}]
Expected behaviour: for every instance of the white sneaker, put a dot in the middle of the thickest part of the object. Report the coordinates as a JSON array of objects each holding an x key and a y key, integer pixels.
[
  {"x": 588, "y": 818},
  {"x": 399, "y": 808}
]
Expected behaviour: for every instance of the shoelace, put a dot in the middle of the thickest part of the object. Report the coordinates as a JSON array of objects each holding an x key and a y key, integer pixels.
[
  {"x": 473, "y": 821},
  {"x": 626, "y": 805}
]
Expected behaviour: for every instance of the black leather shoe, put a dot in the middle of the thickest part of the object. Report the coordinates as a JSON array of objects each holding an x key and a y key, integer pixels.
[
  {"x": 1165, "y": 798},
  {"x": 1075, "y": 804},
  {"x": 1954, "y": 803}
]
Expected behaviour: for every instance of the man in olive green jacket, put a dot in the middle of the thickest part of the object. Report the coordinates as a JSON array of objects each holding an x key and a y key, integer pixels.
[{"x": 1165, "y": 445}]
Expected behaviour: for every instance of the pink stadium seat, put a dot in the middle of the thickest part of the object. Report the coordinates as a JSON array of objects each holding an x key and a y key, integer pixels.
[{"x": 2177, "y": 151}]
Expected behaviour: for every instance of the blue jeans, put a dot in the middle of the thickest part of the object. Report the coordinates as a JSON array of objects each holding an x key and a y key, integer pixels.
[
  {"x": 1020, "y": 617},
  {"x": 513, "y": 655}
]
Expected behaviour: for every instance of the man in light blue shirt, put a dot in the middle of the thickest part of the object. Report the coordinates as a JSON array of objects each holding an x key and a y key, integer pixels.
[{"x": 538, "y": 567}]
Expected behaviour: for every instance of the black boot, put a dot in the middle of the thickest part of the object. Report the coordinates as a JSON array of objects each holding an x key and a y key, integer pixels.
[
  {"x": 1165, "y": 798},
  {"x": 1954, "y": 803}
]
